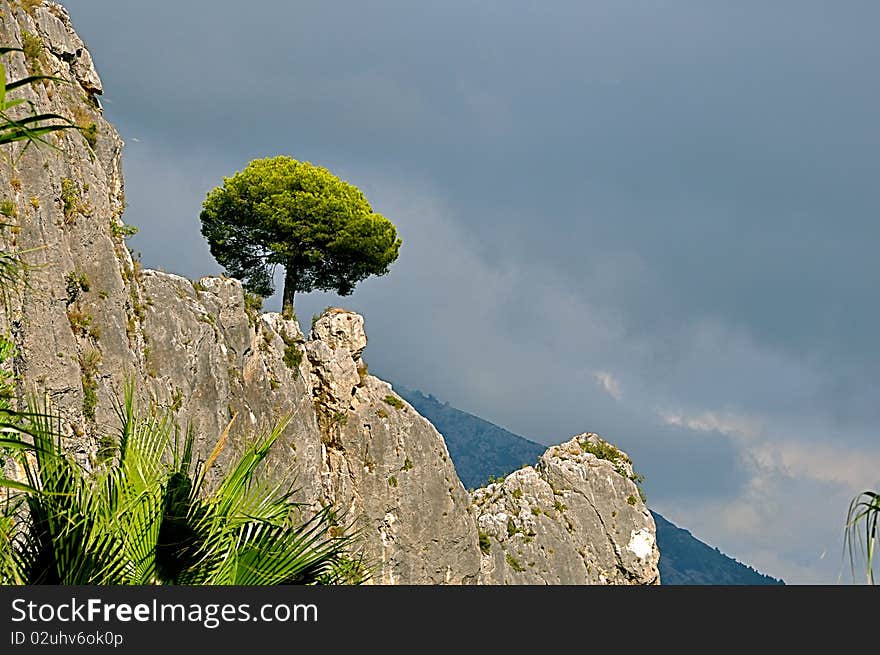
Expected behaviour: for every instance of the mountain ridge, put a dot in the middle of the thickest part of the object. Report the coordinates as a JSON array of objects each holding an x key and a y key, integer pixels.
[{"x": 482, "y": 450}]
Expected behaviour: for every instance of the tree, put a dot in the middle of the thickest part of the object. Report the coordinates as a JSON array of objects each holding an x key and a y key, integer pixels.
[
  {"x": 279, "y": 211},
  {"x": 147, "y": 518}
]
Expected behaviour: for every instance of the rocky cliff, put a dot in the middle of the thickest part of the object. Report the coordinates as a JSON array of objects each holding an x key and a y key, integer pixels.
[{"x": 89, "y": 318}]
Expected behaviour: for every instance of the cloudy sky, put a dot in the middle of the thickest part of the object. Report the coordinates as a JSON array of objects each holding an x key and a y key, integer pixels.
[{"x": 653, "y": 220}]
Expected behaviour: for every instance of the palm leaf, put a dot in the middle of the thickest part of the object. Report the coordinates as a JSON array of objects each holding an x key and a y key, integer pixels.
[{"x": 862, "y": 541}]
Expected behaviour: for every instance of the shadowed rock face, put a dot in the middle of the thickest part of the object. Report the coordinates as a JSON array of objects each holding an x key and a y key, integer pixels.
[
  {"x": 575, "y": 518},
  {"x": 89, "y": 319}
]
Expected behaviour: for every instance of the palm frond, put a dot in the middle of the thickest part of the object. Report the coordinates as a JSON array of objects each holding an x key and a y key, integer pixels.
[{"x": 862, "y": 533}]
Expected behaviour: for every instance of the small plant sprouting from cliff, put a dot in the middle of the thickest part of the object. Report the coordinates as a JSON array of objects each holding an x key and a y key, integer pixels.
[
  {"x": 511, "y": 527},
  {"x": 394, "y": 401},
  {"x": 8, "y": 209},
  {"x": 69, "y": 198},
  {"x": 495, "y": 479},
  {"x": 87, "y": 126},
  {"x": 407, "y": 465},
  {"x": 485, "y": 543},
  {"x": 392, "y": 482},
  {"x": 76, "y": 283},
  {"x": 32, "y": 46},
  {"x": 517, "y": 493},
  {"x": 513, "y": 563},
  {"x": 90, "y": 134},
  {"x": 293, "y": 356},
  {"x": 80, "y": 321},
  {"x": 88, "y": 365},
  {"x": 253, "y": 305},
  {"x": 604, "y": 450},
  {"x": 120, "y": 230},
  {"x": 631, "y": 500},
  {"x": 35, "y": 202}
]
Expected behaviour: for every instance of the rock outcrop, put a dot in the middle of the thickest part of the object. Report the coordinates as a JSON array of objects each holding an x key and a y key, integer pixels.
[
  {"x": 575, "y": 518},
  {"x": 89, "y": 318}
]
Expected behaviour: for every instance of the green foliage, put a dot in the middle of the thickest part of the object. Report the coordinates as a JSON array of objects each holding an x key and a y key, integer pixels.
[
  {"x": 485, "y": 543},
  {"x": 292, "y": 356},
  {"x": 517, "y": 493},
  {"x": 631, "y": 500},
  {"x": 604, "y": 450},
  {"x": 7, "y": 378},
  {"x": 80, "y": 321},
  {"x": 69, "y": 197},
  {"x": 90, "y": 133},
  {"x": 862, "y": 534},
  {"x": 122, "y": 231},
  {"x": 394, "y": 401},
  {"x": 495, "y": 479},
  {"x": 407, "y": 464},
  {"x": 30, "y": 128},
  {"x": 253, "y": 304},
  {"x": 88, "y": 365},
  {"x": 279, "y": 211},
  {"x": 147, "y": 517},
  {"x": 392, "y": 481},
  {"x": 31, "y": 45},
  {"x": 514, "y": 563},
  {"x": 511, "y": 527},
  {"x": 75, "y": 282},
  {"x": 8, "y": 209}
]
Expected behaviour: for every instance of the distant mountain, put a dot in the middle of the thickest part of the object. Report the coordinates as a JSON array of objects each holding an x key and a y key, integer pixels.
[
  {"x": 685, "y": 560},
  {"x": 480, "y": 449}
]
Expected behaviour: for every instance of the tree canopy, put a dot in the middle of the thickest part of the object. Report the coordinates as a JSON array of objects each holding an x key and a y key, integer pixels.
[{"x": 279, "y": 211}]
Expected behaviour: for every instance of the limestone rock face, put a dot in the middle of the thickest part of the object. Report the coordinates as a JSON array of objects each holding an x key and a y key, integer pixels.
[
  {"x": 387, "y": 465},
  {"x": 574, "y": 518},
  {"x": 89, "y": 319},
  {"x": 75, "y": 321}
]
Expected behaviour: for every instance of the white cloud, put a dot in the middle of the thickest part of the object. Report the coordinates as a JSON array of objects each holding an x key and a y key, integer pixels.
[
  {"x": 733, "y": 425},
  {"x": 609, "y": 384}
]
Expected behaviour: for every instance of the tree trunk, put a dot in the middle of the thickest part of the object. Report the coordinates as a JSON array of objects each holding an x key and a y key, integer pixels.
[{"x": 290, "y": 282}]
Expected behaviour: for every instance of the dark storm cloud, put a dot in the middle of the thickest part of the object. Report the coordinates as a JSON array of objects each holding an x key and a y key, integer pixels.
[{"x": 679, "y": 196}]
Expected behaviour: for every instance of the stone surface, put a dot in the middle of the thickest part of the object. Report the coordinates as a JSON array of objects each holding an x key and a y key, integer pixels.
[
  {"x": 89, "y": 319},
  {"x": 575, "y": 518}
]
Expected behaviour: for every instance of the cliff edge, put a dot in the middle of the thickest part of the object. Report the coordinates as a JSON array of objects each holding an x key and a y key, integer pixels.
[{"x": 88, "y": 318}]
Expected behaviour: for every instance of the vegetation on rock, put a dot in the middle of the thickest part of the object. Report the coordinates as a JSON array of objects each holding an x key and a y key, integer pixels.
[{"x": 279, "y": 211}]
